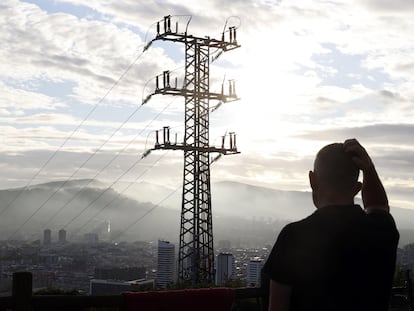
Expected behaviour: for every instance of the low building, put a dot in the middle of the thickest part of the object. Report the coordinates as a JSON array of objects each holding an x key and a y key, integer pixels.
[
  {"x": 120, "y": 274},
  {"x": 111, "y": 287}
]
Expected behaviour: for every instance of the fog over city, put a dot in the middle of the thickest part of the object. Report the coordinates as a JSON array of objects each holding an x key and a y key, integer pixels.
[{"x": 241, "y": 212}]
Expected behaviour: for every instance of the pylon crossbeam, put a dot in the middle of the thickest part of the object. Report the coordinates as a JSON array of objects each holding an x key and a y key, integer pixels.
[
  {"x": 207, "y": 42},
  {"x": 182, "y": 92}
]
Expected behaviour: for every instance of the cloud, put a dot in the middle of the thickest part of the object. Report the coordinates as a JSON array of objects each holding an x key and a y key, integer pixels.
[
  {"x": 60, "y": 46},
  {"x": 402, "y": 6},
  {"x": 14, "y": 100},
  {"x": 390, "y": 134},
  {"x": 405, "y": 67}
]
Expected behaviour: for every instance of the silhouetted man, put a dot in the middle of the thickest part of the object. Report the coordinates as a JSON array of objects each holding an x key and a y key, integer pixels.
[{"x": 341, "y": 257}]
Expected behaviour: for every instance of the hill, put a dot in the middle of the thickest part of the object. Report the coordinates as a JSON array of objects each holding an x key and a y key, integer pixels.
[{"x": 244, "y": 214}]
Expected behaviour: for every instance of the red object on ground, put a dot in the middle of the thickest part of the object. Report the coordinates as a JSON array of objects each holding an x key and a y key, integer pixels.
[{"x": 203, "y": 299}]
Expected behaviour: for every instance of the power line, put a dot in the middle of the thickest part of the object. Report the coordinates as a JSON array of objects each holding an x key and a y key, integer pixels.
[
  {"x": 127, "y": 187},
  {"x": 154, "y": 207},
  {"x": 97, "y": 174},
  {"x": 147, "y": 212},
  {"x": 116, "y": 156},
  {"x": 167, "y": 30},
  {"x": 64, "y": 143},
  {"x": 73, "y": 174},
  {"x": 102, "y": 193},
  {"x": 72, "y": 133},
  {"x": 118, "y": 195},
  {"x": 83, "y": 164}
]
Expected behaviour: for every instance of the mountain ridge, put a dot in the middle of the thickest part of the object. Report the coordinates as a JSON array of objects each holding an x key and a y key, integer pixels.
[{"x": 241, "y": 211}]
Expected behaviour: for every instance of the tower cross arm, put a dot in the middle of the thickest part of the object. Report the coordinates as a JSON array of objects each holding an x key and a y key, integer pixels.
[
  {"x": 184, "y": 147},
  {"x": 206, "y": 41},
  {"x": 190, "y": 93}
]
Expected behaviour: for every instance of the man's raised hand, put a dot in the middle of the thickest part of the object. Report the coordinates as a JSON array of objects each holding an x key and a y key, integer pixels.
[{"x": 358, "y": 153}]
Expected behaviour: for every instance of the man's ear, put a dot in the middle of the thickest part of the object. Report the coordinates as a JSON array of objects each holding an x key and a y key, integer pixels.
[
  {"x": 314, "y": 186},
  {"x": 312, "y": 181},
  {"x": 358, "y": 187}
]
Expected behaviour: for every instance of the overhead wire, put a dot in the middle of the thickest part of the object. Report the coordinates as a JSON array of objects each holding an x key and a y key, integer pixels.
[
  {"x": 149, "y": 211},
  {"x": 74, "y": 173},
  {"x": 161, "y": 201},
  {"x": 68, "y": 138},
  {"x": 103, "y": 192},
  {"x": 71, "y": 134},
  {"x": 117, "y": 180},
  {"x": 76, "y": 128},
  {"x": 83, "y": 164},
  {"x": 105, "y": 166},
  {"x": 130, "y": 184}
]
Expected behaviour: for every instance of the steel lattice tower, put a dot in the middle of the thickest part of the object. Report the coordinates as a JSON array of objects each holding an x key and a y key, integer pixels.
[{"x": 196, "y": 253}]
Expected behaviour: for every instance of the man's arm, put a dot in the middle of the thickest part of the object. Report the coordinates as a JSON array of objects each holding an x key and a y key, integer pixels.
[
  {"x": 279, "y": 296},
  {"x": 373, "y": 192}
]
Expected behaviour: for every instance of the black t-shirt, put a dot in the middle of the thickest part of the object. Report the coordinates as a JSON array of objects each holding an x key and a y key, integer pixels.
[{"x": 338, "y": 258}]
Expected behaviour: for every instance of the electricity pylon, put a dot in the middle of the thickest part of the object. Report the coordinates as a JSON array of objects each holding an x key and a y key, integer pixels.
[{"x": 196, "y": 253}]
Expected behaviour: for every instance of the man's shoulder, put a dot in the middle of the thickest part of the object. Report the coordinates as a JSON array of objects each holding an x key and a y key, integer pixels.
[
  {"x": 340, "y": 217},
  {"x": 300, "y": 225},
  {"x": 383, "y": 223}
]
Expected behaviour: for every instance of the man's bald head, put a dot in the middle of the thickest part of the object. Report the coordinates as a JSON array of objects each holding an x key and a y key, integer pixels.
[{"x": 335, "y": 170}]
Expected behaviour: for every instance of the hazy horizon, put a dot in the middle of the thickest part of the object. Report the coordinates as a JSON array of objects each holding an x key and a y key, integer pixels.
[{"x": 250, "y": 214}]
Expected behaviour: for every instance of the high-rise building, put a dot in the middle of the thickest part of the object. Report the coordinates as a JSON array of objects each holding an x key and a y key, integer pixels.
[
  {"x": 225, "y": 268},
  {"x": 62, "y": 236},
  {"x": 47, "y": 237},
  {"x": 165, "y": 264},
  {"x": 254, "y": 268}
]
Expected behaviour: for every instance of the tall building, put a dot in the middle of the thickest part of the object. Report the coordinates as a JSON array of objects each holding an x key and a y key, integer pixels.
[
  {"x": 47, "y": 237},
  {"x": 254, "y": 268},
  {"x": 225, "y": 268},
  {"x": 165, "y": 264},
  {"x": 62, "y": 236}
]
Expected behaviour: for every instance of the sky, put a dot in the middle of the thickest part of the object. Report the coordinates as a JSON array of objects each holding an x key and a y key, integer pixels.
[{"x": 74, "y": 75}]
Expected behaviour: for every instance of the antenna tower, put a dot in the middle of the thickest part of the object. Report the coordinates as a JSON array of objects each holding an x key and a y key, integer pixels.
[{"x": 196, "y": 253}]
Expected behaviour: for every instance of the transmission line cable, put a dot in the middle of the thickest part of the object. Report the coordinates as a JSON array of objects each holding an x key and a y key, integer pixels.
[
  {"x": 83, "y": 164},
  {"x": 130, "y": 184},
  {"x": 107, "y": 165},
  {"x": 124, "y": 190},
  {"x": 74, "y": 173},
  {"x": 91, "y": 156},
  {"x": 103, "y": 192},
  {"x": 149, "y": 211},
  {"x": 72, "y": 133},
  {"x": 169, "y": 195}
]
